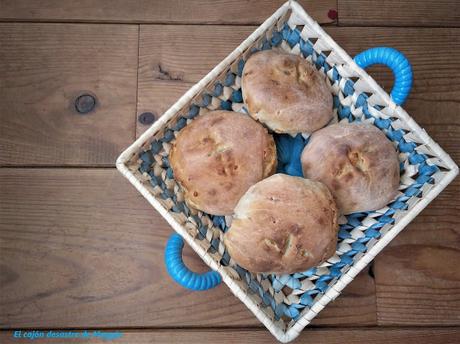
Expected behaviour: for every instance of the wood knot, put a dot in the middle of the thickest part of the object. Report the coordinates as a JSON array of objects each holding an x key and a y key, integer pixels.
[
  {"x": 146, "y": 118},
  {"x": 85, "y": 103}
]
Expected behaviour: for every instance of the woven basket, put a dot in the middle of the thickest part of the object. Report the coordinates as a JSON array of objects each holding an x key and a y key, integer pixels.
[{"x": 425, "y": 170}]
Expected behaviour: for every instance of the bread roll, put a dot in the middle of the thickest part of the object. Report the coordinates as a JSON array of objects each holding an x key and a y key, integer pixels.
[
  {"x": 218, "y": 156},
  {"x": 283, "y": 224},
  {"x": 286, "y": 92},
  {"x": 358, "y": 164}
]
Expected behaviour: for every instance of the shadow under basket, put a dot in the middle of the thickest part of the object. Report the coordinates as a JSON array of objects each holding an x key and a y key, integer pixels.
[{"x": 285, "y": 304}]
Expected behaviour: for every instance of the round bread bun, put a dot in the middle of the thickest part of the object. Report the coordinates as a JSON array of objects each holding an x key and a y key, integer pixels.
[
  {"x": 283, "y": 224},
  {"x": 358, "y": 164},
  {"x": 286, "y": 92},
  {"x": 218, "y": 156}
]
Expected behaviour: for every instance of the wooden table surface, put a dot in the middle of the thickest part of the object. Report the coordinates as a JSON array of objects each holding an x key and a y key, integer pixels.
[{"x": 80, "y": 248}]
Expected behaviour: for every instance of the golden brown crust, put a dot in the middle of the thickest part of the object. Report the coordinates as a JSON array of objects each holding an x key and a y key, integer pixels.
[
  {"x": 283, "y": 224},
  {"x": 218, "y": 156},
  {"x": 286, "y": 92},
  {"x": 358, "y": 164}
]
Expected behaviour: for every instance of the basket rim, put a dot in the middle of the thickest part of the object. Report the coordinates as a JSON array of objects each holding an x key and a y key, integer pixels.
[{"x": 346, "y": 278}]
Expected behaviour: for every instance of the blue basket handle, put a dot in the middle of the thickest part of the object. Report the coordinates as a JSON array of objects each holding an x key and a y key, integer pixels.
[
  {"x": 397, "y": 62},
  {"x": 182, "y": 274}
]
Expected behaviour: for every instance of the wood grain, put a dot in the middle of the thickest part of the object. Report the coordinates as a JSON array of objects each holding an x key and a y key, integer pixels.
[
  {"x": 44, "y": 68},
  {"x": 163, "y": 11},
  {"x": 356, "y": 305},
  {"x": 186, "y": 54},
  {"x": 417, "y": 276},
  {"x": 399, "y": 13},
  {"x": 81, "y": 248},
  {"x": 172, "y": 58},
  {"x": 373, "y": 335}
]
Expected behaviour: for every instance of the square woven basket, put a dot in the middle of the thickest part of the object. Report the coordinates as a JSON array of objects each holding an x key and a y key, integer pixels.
[{"x": 285, "y": 304}]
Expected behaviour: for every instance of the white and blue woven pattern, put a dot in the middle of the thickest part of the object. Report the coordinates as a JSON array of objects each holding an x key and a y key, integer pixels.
[{"x": 286, "y": 299}]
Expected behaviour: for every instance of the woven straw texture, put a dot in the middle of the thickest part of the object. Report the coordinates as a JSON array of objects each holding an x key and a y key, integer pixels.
[{"x": 287, "y": 303}]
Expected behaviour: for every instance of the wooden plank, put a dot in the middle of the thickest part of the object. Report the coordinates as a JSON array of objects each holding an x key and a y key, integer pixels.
[
  {"x": 164, "y": 11},
  {"x": 172, "y": 58},
  {"x": 417, "y": 276},
  {"x": 44, "y": 68},
  {"x": 399, "y": 13},
  {"x": 187, "y": 53},
  {"x": 81, "y": 248},
  {"x": 374, "y": 335},
  {"x": 356, "y": 305},
  {"x": 93, "y": 248}
]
